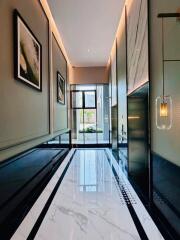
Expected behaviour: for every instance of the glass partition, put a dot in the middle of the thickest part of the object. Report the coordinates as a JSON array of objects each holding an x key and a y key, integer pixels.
[{"x": 61, "y": 141}]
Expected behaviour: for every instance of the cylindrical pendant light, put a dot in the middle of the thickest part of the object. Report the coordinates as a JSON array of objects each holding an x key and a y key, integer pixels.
[
  {"x": 163, "y": 102},
  {"x": 164, "y": 112}
]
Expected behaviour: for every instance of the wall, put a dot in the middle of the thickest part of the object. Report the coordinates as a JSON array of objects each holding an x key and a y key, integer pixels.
[
  {"x": 59, "y": 64},
  {"x": 110, "y": 102},
  {"x": 114, "y": 75},
  {"x": 137, "y": 43},
  {"x": 90, "y": 75},
  {"x": 114, "y": 103},
  {"x": 165, "y": 144},
  {"x": 122, "y": 80},
  {"x": 25, "y": 113},
  {"x": 162, "y": 140},
  {"x": 130, "y": 70},
  {"x": 22, "y": 102}
]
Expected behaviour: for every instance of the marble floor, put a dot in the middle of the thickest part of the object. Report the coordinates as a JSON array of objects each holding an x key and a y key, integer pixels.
[{"x": 94, "y": 201}]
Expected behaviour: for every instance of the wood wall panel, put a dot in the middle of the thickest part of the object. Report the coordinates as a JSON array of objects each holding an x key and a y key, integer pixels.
[
  {"x": 122, "y": 80},
  {"x": 137, "y": 43}
]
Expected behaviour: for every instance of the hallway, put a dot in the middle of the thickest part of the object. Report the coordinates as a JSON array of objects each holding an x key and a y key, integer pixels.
[
  {"x": 92, "y": 200},
  {"x": 90, "y": 120}
]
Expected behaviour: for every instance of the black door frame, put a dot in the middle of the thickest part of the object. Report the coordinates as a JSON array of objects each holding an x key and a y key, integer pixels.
[
  {"x": 83, "y": 99},
  {"x": 84, "y": 145}
]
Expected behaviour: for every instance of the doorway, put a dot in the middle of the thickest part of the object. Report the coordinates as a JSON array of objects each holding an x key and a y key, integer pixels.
[{"x": 89, "y": 114}]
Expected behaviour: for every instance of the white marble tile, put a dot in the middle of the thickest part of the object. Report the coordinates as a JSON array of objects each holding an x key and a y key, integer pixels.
[
  {"x": 88, "y": 204},
  {"x": 27, "y": 224},
  {"x": 148, "y": 224}
]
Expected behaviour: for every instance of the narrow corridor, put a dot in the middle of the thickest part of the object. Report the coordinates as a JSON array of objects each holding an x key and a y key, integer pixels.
[{"x": 89, "y": 197}]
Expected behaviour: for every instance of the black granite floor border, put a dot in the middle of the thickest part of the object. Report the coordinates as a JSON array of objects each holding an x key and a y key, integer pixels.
[
  {"x": 23, "y": 204},
  {"x": 165, "y": 228},
  {"x": 43, "y": 213},
  {"x": 134, "y": 216}
]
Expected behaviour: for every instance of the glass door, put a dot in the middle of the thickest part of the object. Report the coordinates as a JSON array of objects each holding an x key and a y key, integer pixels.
[{"x": 89, "y": 114}]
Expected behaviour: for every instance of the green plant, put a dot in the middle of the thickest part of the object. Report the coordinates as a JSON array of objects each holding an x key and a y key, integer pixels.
[{"x": 91, "y": 130}]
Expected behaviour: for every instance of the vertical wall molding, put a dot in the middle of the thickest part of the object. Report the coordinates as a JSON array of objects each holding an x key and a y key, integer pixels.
[{"x": 51, "y": 83}]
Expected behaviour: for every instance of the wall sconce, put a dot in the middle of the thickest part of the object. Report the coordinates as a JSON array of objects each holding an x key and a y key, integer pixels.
[{"x": 164, "y": 103}]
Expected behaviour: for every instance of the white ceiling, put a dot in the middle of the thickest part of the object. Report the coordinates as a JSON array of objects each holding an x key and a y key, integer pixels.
[{"x": 87, "y": 28}]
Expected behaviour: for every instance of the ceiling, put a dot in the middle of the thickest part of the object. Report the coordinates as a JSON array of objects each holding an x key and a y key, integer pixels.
[{"x": 87, "y": 28}]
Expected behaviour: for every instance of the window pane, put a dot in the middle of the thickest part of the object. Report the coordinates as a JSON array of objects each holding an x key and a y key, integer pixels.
[
  {"x": 90, "y": 101},
  {"x": 76, "y": 100},
  {"x": 77, "y": 126},
  {"x": 103, "y": 113},
  {"x": 90, "y": 126}
]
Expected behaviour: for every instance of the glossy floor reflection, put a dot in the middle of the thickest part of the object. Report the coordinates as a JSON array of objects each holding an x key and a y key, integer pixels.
[{"x": 88, "y": 204}]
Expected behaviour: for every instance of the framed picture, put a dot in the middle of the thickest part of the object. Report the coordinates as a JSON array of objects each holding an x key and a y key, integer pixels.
[
  {"x": 60, "y": 89},
  {"x": 27, "y": 54}
]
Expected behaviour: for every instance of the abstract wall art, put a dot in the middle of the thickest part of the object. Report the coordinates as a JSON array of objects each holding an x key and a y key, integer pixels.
[
  {"x": 60, "y": 89},
  {"x": 27, "y": 54}
]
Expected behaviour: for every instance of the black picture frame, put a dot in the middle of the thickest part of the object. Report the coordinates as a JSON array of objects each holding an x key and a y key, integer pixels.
[
  {"x": 61, "y": 89},
  {"x": 27, "y": 64}
]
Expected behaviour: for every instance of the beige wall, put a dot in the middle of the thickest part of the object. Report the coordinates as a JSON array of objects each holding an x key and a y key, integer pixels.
[
  {"x": 122, "y": 77},
  {"x": 25, "y": 113},
  {"x": 165, "y": 143},
  {"x": 113, "y": 75},
  {"x": 59, "y": 111},
  {"x": 137, "y": 43},
  {"x": 18, "y": 101},
  {"x": 90, "y": 75}
]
